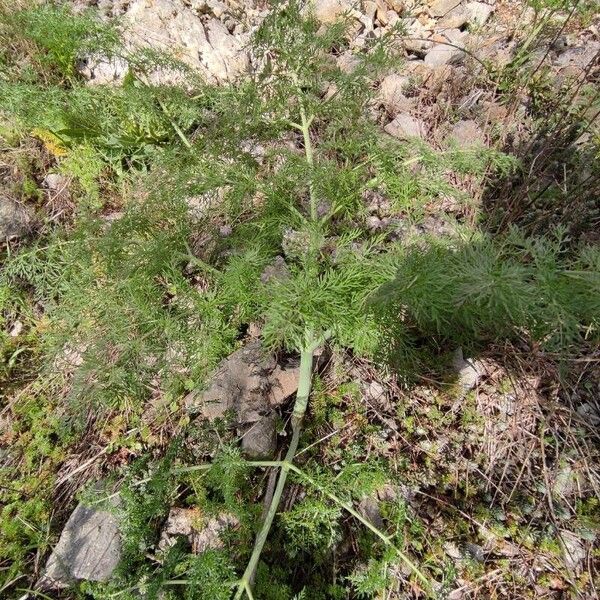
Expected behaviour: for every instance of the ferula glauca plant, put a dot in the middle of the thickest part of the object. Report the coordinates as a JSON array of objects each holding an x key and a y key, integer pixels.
[
  {"x": 237, "y": 205},
  {"x": 331, "y": 265}
]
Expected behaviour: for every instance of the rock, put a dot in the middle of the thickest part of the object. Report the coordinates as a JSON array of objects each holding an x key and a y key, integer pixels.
[
  {"x": 248, "y": 385},
  {"x": 16, "y": 219},
  {"x": 444, "y": 54},
  {"x": 574, "y": 549},
  {"x": 439, "y": 8},
  {"x": 589, "y": 413},
  {"x": 329, "y": 11},
  {"x": 209, "y": 537},
  {"x": 368, "y": 507},
  {"x": 370, "y": 9},
  {"x": 469, "y": 371},
  {"x": 283, "y": 383},
  {"x": 55, "y": 182},
  {"x": 474, "y": 551},
  {"x": 102, "y": 70},
  {"x": 467, "y": 134},
  {"x": 456, "y": 18},
  {"x": 199, "y": 207},
  {"x": 203, "y": 534},
  {"x": 169, "y": 25},
  {"x": 260, "y": 441},
  {"x": 478, "y": 12},
  {"x": 347, "y": 62},
  {"x": 494, "y": 111},
  {"x": 239, "y": 385},
  {"x": 405, "y": 126},
  {"x": 397, "y": 5},
  {"x": 456, "y": 36},
  {"x": 16, "y": 329},
  {"x": 277, "y": 270},
  {"x": 579, "y": 58},
  {"x": 452, "y": 550},
  {"x": 417, "y": 35},
  {"x": 391, "y": 93},
  {"x": 89, "y": 549},
  {"x": 375, "y": 391}
]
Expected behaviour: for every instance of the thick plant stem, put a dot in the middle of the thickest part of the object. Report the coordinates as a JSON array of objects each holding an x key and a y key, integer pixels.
[
  {"x": 304, "y": 386},
  {"x": 308, "y": 151}
]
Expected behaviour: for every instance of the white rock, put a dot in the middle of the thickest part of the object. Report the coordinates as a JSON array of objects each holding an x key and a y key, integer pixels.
[
  {"x": 370, "y": 9},
  {"x": 391, "y": 92},
  {"x": 203, "y": 534},
  {"x": 457, "y": 17},
  {"x": 347, "y": 62},
  {"x": 55, "y": 182},
  {"x": 478, "y": 12},
  {"x": 439, "y": 8},
  {"x": 446, "y": 54},
  {"x": 469, "y": 371},
  {"x": 100, "y": 70},
  {"x": 405, "y": 126},
  {"x": 173, "y": 27},
  {"x": 329, "y": 11}
]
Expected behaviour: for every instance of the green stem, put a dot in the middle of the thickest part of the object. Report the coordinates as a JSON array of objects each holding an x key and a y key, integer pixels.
[{"x": 304, "y": 385}]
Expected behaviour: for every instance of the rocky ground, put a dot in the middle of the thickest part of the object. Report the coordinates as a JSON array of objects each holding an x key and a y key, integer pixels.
[{"x": 495, "y": 458}]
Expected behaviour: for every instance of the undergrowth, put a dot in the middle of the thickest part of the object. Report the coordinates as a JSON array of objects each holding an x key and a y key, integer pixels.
[{"x": 195, "y": 214}]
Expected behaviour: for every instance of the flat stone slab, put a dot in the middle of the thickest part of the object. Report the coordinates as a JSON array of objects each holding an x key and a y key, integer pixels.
[{"x": 89, "y": 549}]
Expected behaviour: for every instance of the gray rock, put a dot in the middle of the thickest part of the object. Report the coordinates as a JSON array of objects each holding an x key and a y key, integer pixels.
[
  {"x": 248, "y": 385},
  {"x": 368, "y": 507},
  {"x": 475, "y": 551},
  {"x": 590, "y": 413},
  {"x": 574, "y": 549},
  {"x": 405, "y": 126},
  {"x": 467, "y": 134},
  {"x": 16, "y": 219},
  {"x": 579, "y": 58},
  {"x": 469, "y": 371},
  {"x": 260, "y": 441},
  {"x": 89, "y": 549}
]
